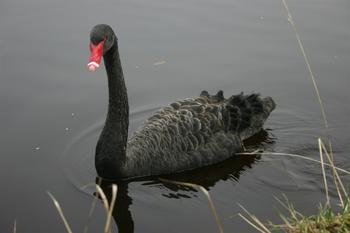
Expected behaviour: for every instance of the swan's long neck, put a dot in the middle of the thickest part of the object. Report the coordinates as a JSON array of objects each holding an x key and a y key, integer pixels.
[{"x": 111, "y": 147}]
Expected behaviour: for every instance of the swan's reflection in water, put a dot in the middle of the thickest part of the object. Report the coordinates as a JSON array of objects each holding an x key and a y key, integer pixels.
[{"x": 207, "y": 177}]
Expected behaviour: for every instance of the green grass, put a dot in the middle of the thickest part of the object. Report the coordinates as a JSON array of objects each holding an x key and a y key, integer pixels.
[{"x": 326, "y": 220}]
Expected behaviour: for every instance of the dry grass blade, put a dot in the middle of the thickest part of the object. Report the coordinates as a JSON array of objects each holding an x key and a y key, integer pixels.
[
  {"x": 301, "y": 46},
  {"x": 295, "y": 214},
  {"x": 338, "y": 190},
  {"x": 108, "y": 207},
  {"x": 281, "y": 203},
  {"x": 105, "y": 204},
  {"x": 289, "y": 207},
  {"x": 331, "y": 161},
  {"x": 336, "y": 177},
  {"x": 334, "y": 172},
  {"x": 103, "y": 197},
  {"x": 287, "y": 224},
  {"x": 93, "y": 204},
  {"x": 60, "y": 211},
  {"x": 108, "y": 227},
  {"x": 96, "y": 195},
  {"x": 15, "y": 227},
  {"x": 323, "y": 171},
  {"x": 295, "y": 156},
  {"x": 207, "y": 195},
  {"x": 251, "y": 223},
  {"x": 212, "y": 207},
  {"x": 258, "y": 224}
]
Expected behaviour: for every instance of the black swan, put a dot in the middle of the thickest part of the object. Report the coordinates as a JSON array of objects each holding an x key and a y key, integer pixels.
[{"x": 185, "y": 135}]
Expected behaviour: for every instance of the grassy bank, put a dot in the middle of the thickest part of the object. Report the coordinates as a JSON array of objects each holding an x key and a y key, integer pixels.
[{"x": 326, "y": 220}]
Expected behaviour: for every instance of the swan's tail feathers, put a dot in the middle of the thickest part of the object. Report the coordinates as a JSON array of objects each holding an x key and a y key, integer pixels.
[{"x": 248, "y": 113}]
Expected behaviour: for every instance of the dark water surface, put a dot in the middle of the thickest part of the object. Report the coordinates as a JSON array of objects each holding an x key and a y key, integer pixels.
[{"x": 52, "y": 109}]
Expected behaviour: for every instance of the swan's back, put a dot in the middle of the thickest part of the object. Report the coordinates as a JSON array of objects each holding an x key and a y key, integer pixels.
[{"x": 195, "y": 132}]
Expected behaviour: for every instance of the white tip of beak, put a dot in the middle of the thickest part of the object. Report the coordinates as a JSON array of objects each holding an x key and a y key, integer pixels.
[{"x": 92, "y": 66}]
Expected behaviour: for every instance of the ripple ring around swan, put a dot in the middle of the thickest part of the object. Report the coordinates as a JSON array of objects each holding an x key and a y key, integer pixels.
[{"x": 77, "y": 161}]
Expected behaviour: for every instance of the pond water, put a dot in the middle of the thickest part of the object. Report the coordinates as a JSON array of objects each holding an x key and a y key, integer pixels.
[{"x": 53, "y": 109}]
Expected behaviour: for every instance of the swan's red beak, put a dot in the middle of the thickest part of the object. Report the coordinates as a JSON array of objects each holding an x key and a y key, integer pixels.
[{"x": 95, "y": 56}]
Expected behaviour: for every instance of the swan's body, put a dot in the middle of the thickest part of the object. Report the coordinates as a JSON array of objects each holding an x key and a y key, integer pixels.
[{"x": 187, "y": 134}]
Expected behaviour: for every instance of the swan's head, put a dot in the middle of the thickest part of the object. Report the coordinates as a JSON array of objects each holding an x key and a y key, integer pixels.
[{"x": 102, "y": 38}]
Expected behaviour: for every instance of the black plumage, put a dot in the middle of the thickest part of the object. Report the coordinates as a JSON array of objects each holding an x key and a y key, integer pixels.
[{"x": 187, "y": 134}]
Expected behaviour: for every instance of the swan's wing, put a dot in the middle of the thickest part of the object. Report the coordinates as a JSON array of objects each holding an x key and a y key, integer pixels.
[
  {"x": 195, "y": 132},
  {"x": 186, "y": 134}
]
